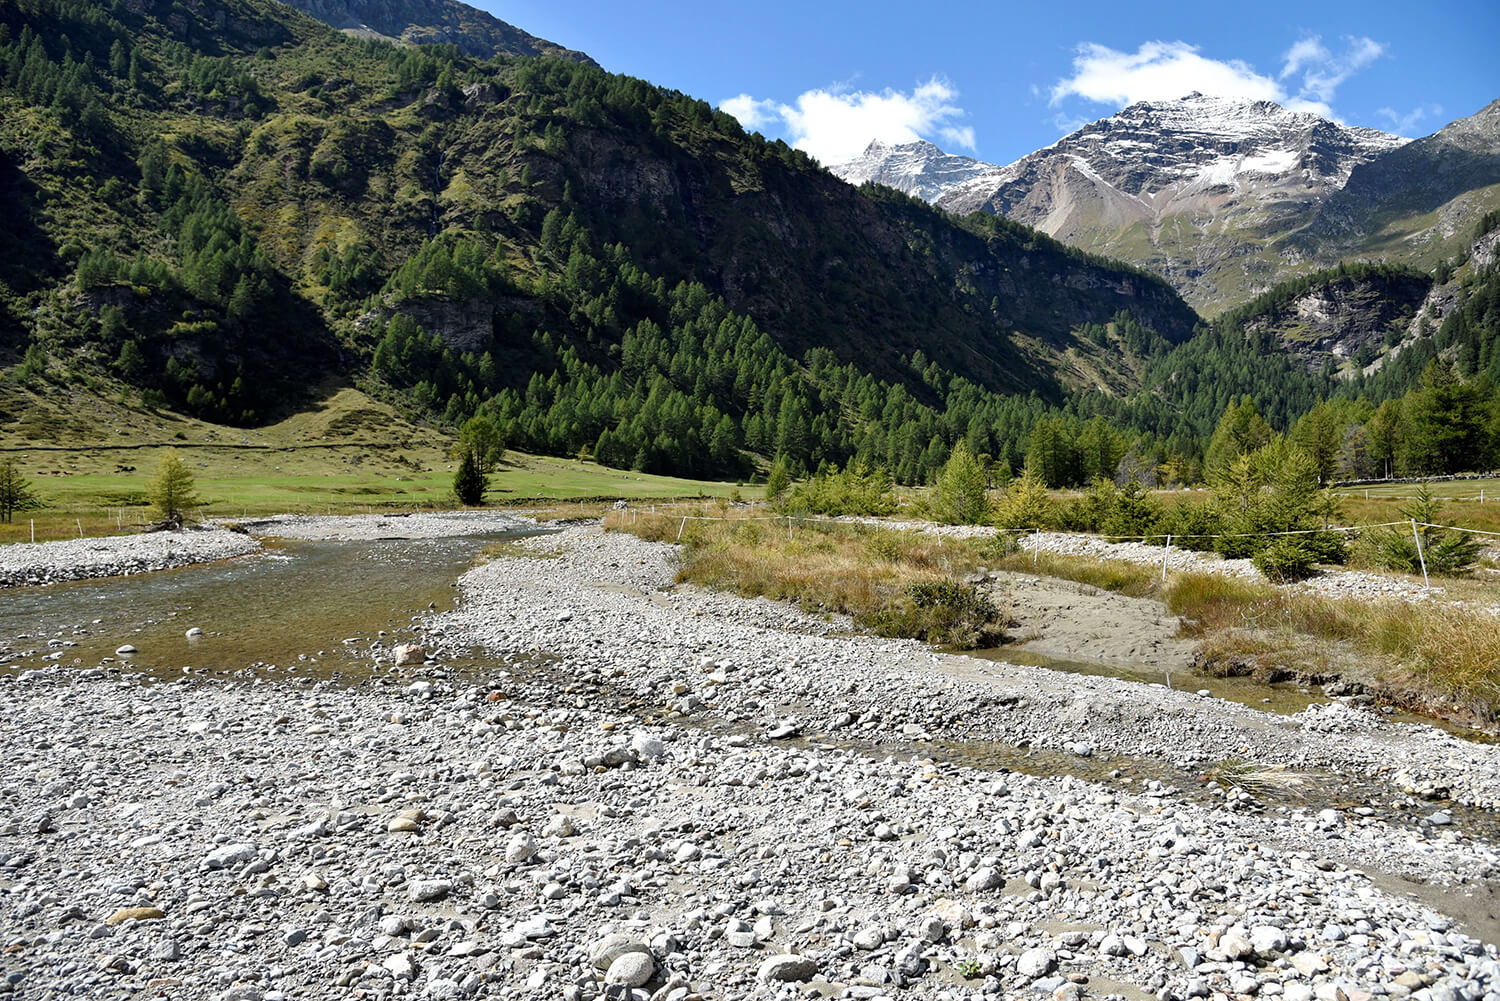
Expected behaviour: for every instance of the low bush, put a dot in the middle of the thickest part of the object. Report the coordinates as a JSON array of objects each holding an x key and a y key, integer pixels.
[
  {"x": 1119, "y": 513},
  {"x": 1026, "y": 505},
  {"x": 1286, "y": 559},
  {"x": 854, "y": 490},
  {"x": 1447, "y": 553},
  {"x": 946, "y": 612},
  {"x": 1192, "y": 524}
]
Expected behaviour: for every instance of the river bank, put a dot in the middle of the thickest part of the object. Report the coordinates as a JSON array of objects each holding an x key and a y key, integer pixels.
[
  {"x": 34, "y": 564},
  {"x": 441, "y": 838}
]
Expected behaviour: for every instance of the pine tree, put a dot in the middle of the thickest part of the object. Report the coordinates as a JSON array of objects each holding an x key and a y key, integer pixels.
[
  {"x": 480, "y": 438},
  {"x": 468, "y": 482},
  {"x": 15, "y": 492},
  {"x": 171, "y": 490},
  {"x": 961, "y": 497},
  {"x": 779, "y": 479}
]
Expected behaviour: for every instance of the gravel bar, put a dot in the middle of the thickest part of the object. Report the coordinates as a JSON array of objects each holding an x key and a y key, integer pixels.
[
  {"x": 27, "y": 563},
  {"x": 1329, "y": 583},
  {"x": 367, "y": 527}
]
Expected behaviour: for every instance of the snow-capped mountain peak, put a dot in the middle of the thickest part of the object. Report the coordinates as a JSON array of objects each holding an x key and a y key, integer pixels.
[
  {"x": 919, "y": 168},
  {"x": 1181, "y": 187}
]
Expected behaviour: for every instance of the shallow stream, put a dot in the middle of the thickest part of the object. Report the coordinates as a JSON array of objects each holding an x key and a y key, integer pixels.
[{"x": 312, "y": 608}]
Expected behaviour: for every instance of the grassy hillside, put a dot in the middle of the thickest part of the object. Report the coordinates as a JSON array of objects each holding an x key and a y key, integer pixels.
[{"x": 346, "y": 452}]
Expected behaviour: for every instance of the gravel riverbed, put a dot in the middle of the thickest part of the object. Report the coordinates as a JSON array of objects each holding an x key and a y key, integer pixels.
[
  {"x": 25, "y": 563},
  {"x": 1332, "y": 583},
  {"x": 664, "y": 793},
  {"x": 365, "y": 527}
]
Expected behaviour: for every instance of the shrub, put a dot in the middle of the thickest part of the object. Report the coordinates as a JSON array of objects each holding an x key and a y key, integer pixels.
[
  {"x": 1273, "y": 489},
  {"x": 1447, "y": 553},
  {"x": 1026, "y": 504},
  {"x": 1192, "y": 525},
  {"x": 1286, "y": 559},
  {"x": 855, "y": 490},
  {"x": 947, "y": 612},
  {"x": 777, "y": 480},
  {"x": 1119, "y": 512}
]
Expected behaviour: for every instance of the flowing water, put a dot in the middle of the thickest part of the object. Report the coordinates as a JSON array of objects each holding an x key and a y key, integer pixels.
[{"x": 297, "y": 607}]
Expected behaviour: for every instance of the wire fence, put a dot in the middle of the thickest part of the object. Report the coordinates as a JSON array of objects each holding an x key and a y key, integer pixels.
[
  {"x": 1165, "y": 538},
  {"x": 1481, "y": 498}
]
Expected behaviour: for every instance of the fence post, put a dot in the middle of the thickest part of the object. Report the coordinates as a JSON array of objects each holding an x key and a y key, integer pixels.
[
  {"x": 789, "y": 535},
  {"x": 1164, "y": 551},
  {"x": 79, "y": 523},
  {"x": 33, "y": 530},
  {"x": 1427, "y": 584},
  {"x": 680, "y": 528},
  {"x": 1036, "y": 547}
]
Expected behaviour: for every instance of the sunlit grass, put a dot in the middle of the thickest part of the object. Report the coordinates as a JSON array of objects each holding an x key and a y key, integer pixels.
[{"x": 894, "y": 583}]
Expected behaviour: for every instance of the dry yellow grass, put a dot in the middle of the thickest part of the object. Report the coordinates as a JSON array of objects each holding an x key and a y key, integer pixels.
[
  {"x": 1432, "y": 655},
  {"x": 1133, "y": 579},
  {"x": 882, "y": 579},
  {"x": 1428, "y": 654}
]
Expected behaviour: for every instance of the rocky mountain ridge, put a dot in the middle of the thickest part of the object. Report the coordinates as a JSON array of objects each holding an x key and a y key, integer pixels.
[
  {"x": 475, "y": 32},
  {"x": 1451, "y": 174},
  {"x": 1223, "y": 197}
]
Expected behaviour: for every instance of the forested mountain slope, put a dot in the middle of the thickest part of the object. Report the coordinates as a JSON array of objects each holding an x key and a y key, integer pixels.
[
  {"x": 427, "y": 22},
  {"x": 219, "y": 206}
]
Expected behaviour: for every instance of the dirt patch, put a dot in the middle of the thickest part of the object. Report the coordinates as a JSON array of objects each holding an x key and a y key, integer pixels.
[{"x": 1073, "y": 621}]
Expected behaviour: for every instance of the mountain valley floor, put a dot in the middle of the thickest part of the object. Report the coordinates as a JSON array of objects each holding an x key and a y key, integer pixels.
[{"x": 637, "y": 788}]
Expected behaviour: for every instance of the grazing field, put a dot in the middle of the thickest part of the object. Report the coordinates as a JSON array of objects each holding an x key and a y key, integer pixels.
[{"x": 90, "y": 463}]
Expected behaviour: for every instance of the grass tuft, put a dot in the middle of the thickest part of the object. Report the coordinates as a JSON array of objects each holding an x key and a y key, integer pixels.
[{"x": 1132, "y": 579}]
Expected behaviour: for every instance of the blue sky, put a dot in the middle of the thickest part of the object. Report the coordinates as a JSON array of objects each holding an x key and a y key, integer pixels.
[{"x": 999, "y": 80}]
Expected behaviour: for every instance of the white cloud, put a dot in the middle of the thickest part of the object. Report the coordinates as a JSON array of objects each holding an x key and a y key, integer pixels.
[
  {"x": 751, "y": 113},
  {"x": 1158, "y": 71},
  {"x": 1310, "y": 74},
  {"x": 1322, "y": 71},
  {"x": 1320, "y": 108},
  {"x": 836, "y": 124},
  {"x": 1305, "y": 52},
  {"x": 1067, "y": 124},
  {"x": 958, "y": 136},
  {"x": 1406, "y": 124}
]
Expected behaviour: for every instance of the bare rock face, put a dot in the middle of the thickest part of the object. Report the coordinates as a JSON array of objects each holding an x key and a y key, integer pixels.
[
  {"x": 481, "y": 94},
  {"x": 464, "y": 325},
  {"x": 1346, "y": 316},
  {"x": 1443, "y": 171}
]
